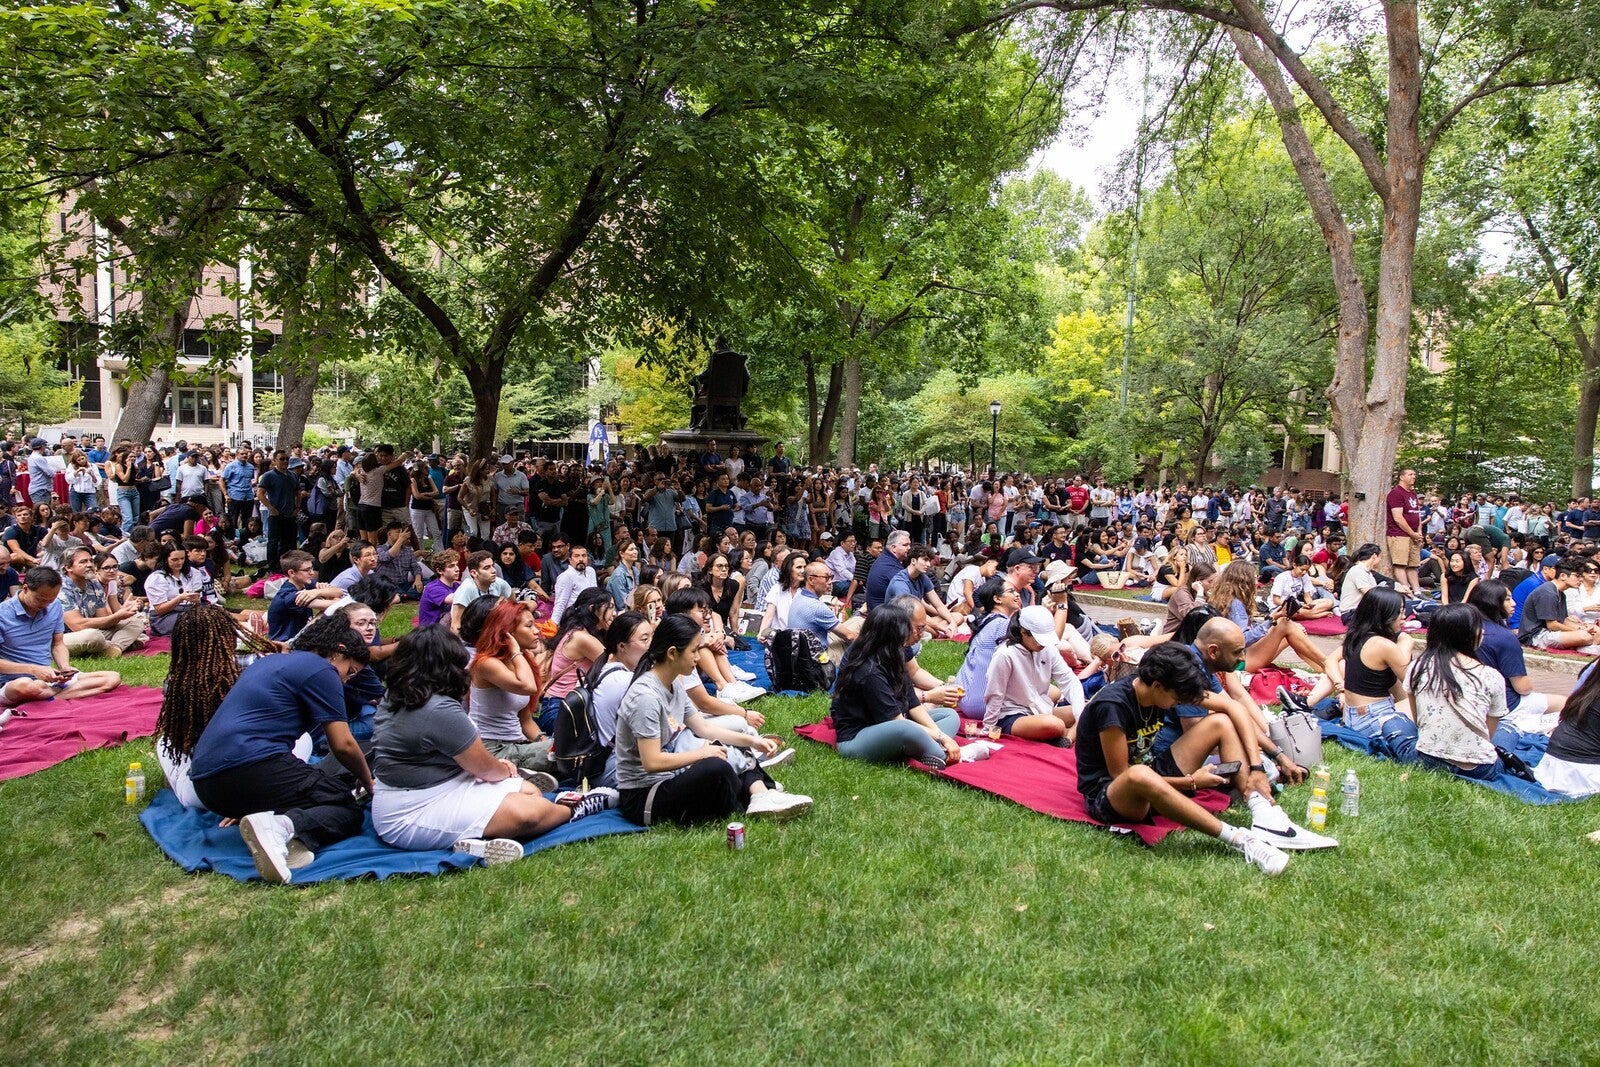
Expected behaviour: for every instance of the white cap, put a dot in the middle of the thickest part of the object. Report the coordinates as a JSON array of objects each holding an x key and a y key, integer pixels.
[
  {"x": 507, "y": 459},
  {"x": 1039, "y": 622}
]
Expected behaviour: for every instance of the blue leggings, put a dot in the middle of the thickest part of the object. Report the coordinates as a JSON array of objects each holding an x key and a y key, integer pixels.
[{"x": 900, "y": 739}]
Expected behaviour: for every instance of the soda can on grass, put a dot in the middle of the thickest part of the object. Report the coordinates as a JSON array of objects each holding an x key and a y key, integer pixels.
[{"x": 736, "y": 835}]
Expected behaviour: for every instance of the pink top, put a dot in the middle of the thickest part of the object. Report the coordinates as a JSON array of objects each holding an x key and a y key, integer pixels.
[{"x": 563, "y": 678}]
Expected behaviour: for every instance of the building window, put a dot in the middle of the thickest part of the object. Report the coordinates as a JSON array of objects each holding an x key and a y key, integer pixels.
[
  {"x": 264, "y": 380},
  {"x": 1315, "y": 455},
  {"x": 79, "y": 360},
  {"x": 195, "y": 345},
  {"x": 196, "y": 406}
]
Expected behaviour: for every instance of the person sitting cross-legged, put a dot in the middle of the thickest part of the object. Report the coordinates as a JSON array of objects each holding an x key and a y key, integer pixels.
[
  {"x": 1030, "y": 691},
  {"x": 34, "y": 661},
  {"x": 1123, "y": 782},
  {"x": 437, "y": 785},
  {"x": 876, "y": 714},
  {"x": 244, "y": 766},
  {"x": 94, "y": 627}
]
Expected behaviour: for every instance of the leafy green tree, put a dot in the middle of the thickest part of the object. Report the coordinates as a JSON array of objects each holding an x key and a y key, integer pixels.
[{"x": 32, "y": 390}]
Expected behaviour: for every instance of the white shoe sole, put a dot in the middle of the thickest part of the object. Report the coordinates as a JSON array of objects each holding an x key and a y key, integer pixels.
[
  {"x": 494, "y": 851},
  {"x": 266, "y": 865},
  {"x": 778, "y": 759},
  {"x": 1300, "y": 840},
  {"x": 798, "y": 805}
]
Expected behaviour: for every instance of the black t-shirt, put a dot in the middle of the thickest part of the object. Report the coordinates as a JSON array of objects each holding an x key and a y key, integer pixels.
[
  {"x": 396, "y": 486},
  {"x": 136, "y": 576},
  {"x": 542, "y": 511},
  {"x": 173, "y": 517},
  {"x": 1577, "y": 744},
  {"x": 9, "y": 580},
  {"x": 26, "y": 537},
  {"x": 1543, "y": 606},
  {"x": 869, "y": 698},
  {"x": 1062, "y": 552},
  {"x": 1115, "y": 705}
]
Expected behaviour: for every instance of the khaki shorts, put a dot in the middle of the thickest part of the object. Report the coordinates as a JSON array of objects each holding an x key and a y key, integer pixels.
[{"x": 1404, "y": 552}]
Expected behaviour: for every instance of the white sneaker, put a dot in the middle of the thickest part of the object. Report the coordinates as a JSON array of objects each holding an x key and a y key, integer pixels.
[
  {"x": 743, "y": 675},
  {"x": 492, "y": 851},
  {"x": 1259, "y": 851},
  {"x": 740, "y": 692},
  {"x": 299, "y": 855},
  {"x": 1273, "y": 825},
  {"x": 778, "y": 759},
  {"x": 777, "y": 806},
  {"x": 268, "y": 843}
]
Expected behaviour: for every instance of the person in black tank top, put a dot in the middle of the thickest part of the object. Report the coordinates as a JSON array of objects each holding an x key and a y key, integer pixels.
[{"x": 1370, "y": 707}]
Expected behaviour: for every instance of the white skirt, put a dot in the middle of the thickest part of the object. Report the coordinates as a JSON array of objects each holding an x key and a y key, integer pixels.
[
  {"x": 1568, "y": 779},
  {"x": 440, "y": 815}
]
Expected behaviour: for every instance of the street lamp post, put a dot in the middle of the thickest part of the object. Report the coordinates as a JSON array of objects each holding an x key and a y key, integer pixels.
[{"x": 994, "y": 436}]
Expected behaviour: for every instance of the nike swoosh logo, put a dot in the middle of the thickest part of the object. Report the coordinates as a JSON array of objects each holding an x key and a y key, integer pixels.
[{"x": 1287, "y": 835}]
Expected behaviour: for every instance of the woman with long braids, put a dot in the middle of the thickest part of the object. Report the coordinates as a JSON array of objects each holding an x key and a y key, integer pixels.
[
  {"x": 437, "y": 785},
  {"x": 664, "y": 771},
  {"x": 205, "y": 666},
  {"x": 244, "y": 765}
]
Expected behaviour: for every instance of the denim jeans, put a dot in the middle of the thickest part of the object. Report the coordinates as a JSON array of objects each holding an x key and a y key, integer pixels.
[
  {"x": 128, "y": 504},
  {"x": 81, "y": 502},
  {"x": 1395, "y": 734},
  {"x": 900, "y": 739}
]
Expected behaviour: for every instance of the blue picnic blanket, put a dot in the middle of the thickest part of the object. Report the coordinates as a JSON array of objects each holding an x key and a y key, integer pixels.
[
  {"x": 192, "y": 840},
  {"x": 1528, "y": 747},
  {"x": 755, "y": 661}
]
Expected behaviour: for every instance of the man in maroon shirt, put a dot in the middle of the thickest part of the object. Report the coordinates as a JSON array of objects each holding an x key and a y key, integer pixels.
[
  {"x": 1403, "y": 526},
  {"x": 1077, "y": 502}
]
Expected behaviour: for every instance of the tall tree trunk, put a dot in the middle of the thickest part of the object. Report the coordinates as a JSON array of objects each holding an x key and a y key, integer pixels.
[
  {"x": 1588, "y": 410},
  {"x": 830, "y": 411},
  {"x": 146, "y": 397},
  {"x": 487, "y": 380},
  {"x": 811, "y": 408},
  {"x": 852, "y": 412},
  {"x": 299, "y": 389}
]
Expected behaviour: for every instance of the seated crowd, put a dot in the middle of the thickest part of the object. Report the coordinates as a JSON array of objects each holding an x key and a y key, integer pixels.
[{"x": 635, "y": 581}]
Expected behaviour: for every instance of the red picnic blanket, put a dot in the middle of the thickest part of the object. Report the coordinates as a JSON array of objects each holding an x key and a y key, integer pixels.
[
  {"x": 1037, "y": 776},
  {"x": 44, "y": 733}
]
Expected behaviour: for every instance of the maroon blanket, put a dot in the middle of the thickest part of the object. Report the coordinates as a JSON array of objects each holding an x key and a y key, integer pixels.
[
  {"x": 57, "y": 730},
  {"x": 1037, "y": 776},
  {"x": 154, "y": 646},
  {"x": 1327, "y": 626}
]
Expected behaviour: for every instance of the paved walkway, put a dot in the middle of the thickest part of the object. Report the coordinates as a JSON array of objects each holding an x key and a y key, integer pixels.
[{"x": 1550, "y": 674}]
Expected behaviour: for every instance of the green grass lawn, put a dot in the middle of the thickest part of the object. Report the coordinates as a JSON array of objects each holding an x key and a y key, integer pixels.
[{"x": 905, "y": 920}]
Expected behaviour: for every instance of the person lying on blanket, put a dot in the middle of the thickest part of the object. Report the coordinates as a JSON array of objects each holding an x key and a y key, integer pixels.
[
  {"x": 662, "y": 777},
  {"x": 244, "y": 766},
  {"x": 34, "y": 662},
  {"x": 1218, "y": 648},
  {"x": 877, "y": 712},
  {"x": 1121, "y": 778},
  {"x": 437, "y": 786},
  {"x": 1029, "y": 690}
]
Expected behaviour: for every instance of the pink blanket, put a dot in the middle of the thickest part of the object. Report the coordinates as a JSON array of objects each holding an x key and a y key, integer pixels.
[
  {"x": 154, "y": 647},
  {"x": 1037, "y": 776},
  {"x": 44, "y": 734},
  {"x": 1327, "y": 626}
]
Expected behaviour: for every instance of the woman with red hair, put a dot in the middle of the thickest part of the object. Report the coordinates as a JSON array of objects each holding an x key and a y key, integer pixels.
[{"x": 508, "y": 676}]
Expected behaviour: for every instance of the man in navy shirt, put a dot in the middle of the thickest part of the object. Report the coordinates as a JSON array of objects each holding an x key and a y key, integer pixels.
[
  {"x": 890, "y": 563},
  {"x": 914, "y": 581},
  {"x": 279, "y": 494},
  {"x": 1500, "y": 648},
  {"x": 299, "y": 597}
]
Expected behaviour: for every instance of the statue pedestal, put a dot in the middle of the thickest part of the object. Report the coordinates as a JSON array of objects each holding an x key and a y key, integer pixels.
[{"x": 695, "y": 440}]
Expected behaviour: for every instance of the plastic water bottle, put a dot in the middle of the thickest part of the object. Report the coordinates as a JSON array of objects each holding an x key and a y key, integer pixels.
[
  {"x": 1317, "y": 809},
  {"x": 133, "y": 785},
  {"x": 1350, "y": 795}
]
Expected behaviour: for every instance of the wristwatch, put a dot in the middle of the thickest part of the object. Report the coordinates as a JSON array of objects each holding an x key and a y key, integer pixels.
[{"x": 1262, "y": 767}]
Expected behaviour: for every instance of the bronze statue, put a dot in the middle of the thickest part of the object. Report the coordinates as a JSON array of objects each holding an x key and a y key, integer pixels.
[{"x": 718, "y": 391}]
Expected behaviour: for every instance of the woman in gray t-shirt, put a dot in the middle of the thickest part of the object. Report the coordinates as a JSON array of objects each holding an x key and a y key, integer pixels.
[
  {"x": 659, "y": 781},
  {"x": 437, "y": 786}
]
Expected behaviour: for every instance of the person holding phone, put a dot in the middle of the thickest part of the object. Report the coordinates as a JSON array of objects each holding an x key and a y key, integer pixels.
[
  {"x": 1123, "y": 781},
  {"x": 34, "y": 661}
]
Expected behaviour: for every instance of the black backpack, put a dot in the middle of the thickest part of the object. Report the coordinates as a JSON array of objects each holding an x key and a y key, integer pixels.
[
  {"x": 575, "y": 748},
  {"x": 797, "y": 660}
]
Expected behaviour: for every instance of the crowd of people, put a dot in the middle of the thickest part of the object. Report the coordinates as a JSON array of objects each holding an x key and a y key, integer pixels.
[{"x": 549, "y": 591}]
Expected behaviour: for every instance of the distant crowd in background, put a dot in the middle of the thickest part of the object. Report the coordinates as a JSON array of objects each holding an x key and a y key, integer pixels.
[{"x": 622, "y": 588}]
